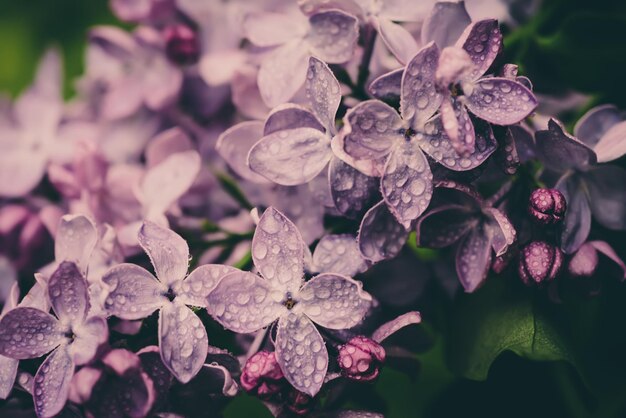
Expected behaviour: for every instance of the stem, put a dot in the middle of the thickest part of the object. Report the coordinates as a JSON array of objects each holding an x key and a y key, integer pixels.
[{"x": 369, "y": 40}]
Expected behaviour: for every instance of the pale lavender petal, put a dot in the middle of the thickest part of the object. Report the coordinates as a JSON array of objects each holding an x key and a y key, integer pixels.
[
  {"x": 52, "y": 383},
  {"x": 88, "y": 337},
  {"x": 387, "y": 87},
  {"x": 562, "y": 151},
  {"x": 166, "y": 143},
  {"x": 504, "y": 233},
  {"x": 405, "y": 10},
  {"x": 387, "y": 329},
  {"x": 609, "y": 252},
  {"x": 75, "y": 240},
  {"x": 482, "y": 41},
  {"x": 68, "y": 293},
  {"x": 333, "y": 36},
  {"x": 458, "y": 125},
  {"x": 381, "y": 236},
  {"x": 290, "y": 116},
  {"x": 501, "y": 101},
  {"x": 28, "y": 333},
  {"x": 8, "y": 371},
  {"x": 244, "y": 302},
  {"x": 606, "y": 186},
  {"x": 234, "y": 145},
  {"x": 295, "y": 203},
  {"x": 399, "y": 40},
  {"x": 334, "y": 301},
  {"x": 134, "y": 292},
  {"x": 406, "y": 184},
  {"x": 167, "y": 250},
  {"x": 444, "y": 225},
  {"x": 577, "y": 223},
  {"x": 301, "y": 353},
  {"x": 338, "y": 254},
  {"x": 291, "y": 157},
  {"x": 270, "y": 29},
  {"x": 277, "y": 251},
  {"x": 419, "y": 98},
  {"x": 323, "y": 91},
  {"x": 371, "y": 130},
  {"x": 283, "y": 72},
  {"x": 352, "y": 191},
  {"x": 473, "y": 258},
  {"x": 612, "y": 145},
  {"x": 445, "y": 24},
  {"x": 20, "y": 171},
  {"x": 182, "y": 340},
  {"x": 596, "y": 122},
  {"x": 200, "y": 282}
]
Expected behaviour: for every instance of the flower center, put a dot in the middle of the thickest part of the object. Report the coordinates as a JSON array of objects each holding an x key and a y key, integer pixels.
[
  {"x": 289, "y": 301},
  {"x": 170, "y": 295},
  {"x": 408, "y": 134}
]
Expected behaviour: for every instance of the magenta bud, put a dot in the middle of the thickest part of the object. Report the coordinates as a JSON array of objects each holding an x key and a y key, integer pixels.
[
  {"x": 361, "y": 359},
  {"x": 261, "y": 375},
  {"x": 584, "y": 262},
  {"x": 547, "y": 206},
  {"x": 298, "y": 402},
  {"x": 181, "y": 44},
  {"x": 539, "y": 263}
]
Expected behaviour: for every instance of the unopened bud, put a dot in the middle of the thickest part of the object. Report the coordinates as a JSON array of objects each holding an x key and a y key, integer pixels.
[
  {"x": 539, "y": 263},
  {"x": 547, "y": 206},
  {"x": 361, "y": 359},
  {"x": 261, "y": 375},
  {"x": 181, "y": 44}
]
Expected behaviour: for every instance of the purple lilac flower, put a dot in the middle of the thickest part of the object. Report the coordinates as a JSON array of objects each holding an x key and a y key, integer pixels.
[
  {"x": 136, "y": 293},
  {"x": 585, "y": 261},
  {"x": 72, "y": 337},
  {"x": 361, "y": 358},
  {"x": 245, "y": 302},
  {"x": 547, "y": 206}
]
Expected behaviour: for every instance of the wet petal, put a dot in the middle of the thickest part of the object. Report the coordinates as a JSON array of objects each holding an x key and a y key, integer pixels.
[
  {"x": 406, "y": 184},
  {"x": 167, "y": 250},
  {"x": 334, "y": 301},
  {"x": 595, "y": 123},
  {"x": 234, "y": 145},
  {"x": 381, "y": 236},
  {"x": 294, "y": 202},
  {"x": 290, "y": 116},
  {"x": 67, "y": 290},
  {"x": 501, "y": 101},
  {"x": 444, "y": 225},
  {"x": 75, "y": 240},
  {"x": 219, "y": 380},
  {"x": 323, "y": 91},
  {"x": 473, "y": 258},
  {"x": 577, "y": 223},
  {"x": 445, "y": 24},
  {"x": 333, "y": 36},
  {"x": 270, "y": 29},
  {"x": 612, "y": 145},
  {"x": 277, "y": 251},
  {"x": 88, "y": 337},
  {"x": 338, "y": 254},
  {"x": 352, "y": 191},
  {"x": 389, "y": 328},
  {"x": 28, "y": 333},
  {"x": 52, "y": 383},
  {"x": 420, "y": 99},
  {"x": 399, "y": 40},
  {"x": 244, "y": 302},
  {"x": 197, "y": 286},
  {"x": 504, "y": 233},
  {"x": 561, "y": 151},
  {"x": 301, "y": 353},
  {"x": 607, "y": 195},
  {"x": 134, "y": 292},
  {"x": 458, "y": 125},
  {"x": 182, "y": 340},
  {"x": 291, "y": 157},
  {"x": 282, "y": 73},
  {"x": 8, "y": 371},
  {"x": 387, "y": 87},
  {"x": 482, "y": 40}
]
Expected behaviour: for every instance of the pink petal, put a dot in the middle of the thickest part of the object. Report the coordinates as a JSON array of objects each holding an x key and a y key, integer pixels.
[
  {"x": 271, "y": 29},
  {"x": 399, "y": 40},
  {"x": 166, "y": 143},
  {"x": 52, "y": 383},
  {"x": 234, "y": 145},
  {"x": 75, "y": 240},
  {"x": 389, "y": 328},
  {"x": 458, "y": 125},
  {"x": 445, "y": 24},
  {"x": 283, "y": 72},
  {"x": 196, "y": 287},
  {"x": 88, "y": 337},
  {"x": 28, "y": 333},
  {"x": 612, "y": 145},
  {"x": 167, "y": 250}
]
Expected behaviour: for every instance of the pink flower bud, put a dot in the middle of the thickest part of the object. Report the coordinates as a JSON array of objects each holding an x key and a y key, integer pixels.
[
  {"x": 361, "y": 359},
  {"x": 547, "y": 206},
  {"x": 539, "y": 262},
  {"x": 181, "y": 44},
  {"x": 261, "y": 375},
  {"x": 299, "y": 403}
]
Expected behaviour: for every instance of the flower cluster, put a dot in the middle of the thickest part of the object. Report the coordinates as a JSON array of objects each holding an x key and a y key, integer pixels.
[{"x": 278, "y": 169}]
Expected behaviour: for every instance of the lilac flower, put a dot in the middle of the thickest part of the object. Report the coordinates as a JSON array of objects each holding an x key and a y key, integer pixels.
[
  {"x": 261, "y": 375},
  {"x": 329, "y": 35},
  {"x": 546, "y": 206},
  {"x": 603, "y": 128},
  {"x": 361, "y": 358},
  {"x": 575, "y": 162},
  {"x": 245, "y": 302},
  {"x": 72, "y": 337},
  {"x": 135, "y": 293},
  {"x": 338, "y": 254},
  {"x": 585, "y": 261},
  {"x": 479, "y": 229}
]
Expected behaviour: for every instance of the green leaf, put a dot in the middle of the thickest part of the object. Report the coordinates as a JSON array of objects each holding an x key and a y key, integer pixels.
[{"x": 230, "y": 186}]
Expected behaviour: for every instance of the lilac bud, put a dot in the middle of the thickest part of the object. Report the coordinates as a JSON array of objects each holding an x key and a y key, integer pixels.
[
  {"x": 361, "y": 359},
  {"x": 547, "y": 206},
  {"x": 584, "y": 262},
  {"x": 539, "y": 262},
  {"x": 298, "y": 402},
  {"x": 261, "y": 375},
  {"x": 181, "y": 44}
]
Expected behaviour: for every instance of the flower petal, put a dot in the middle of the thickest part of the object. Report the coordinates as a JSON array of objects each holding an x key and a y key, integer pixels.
[
  {"x": 28, "y": 333},
  {"x": 270, "y": 29},
  {"x": 458, "y": 125},
  {"x": 445, "y": 24},
  {"x": 277, "y": 251},
  {"x": 443, "y": 226},
  {"x": 609, "y": 252},
  {"x": 419, "y": 98},
  {"x": 166, "y": 143},
  {"x": 333, "y": 36},
  {"x": 381, "y": 236},
  {"x": 88, "y": 337},
  {"x": 244, "y": 302},
  {"x": 294, "y": 203},
  {"x": 389, "y": 328},
  {"x": 234, "y": 144},
  {"x": 301, "y": 353},
  {"x": 200, "y": 282},
  {"x": 387, "y": 87},
  {"x": 612, "y": 145},
  {"x": 68, "y": 293},
  {"x": 501, "y": 101},
  {"x": 8, "y": 371},
  {"x": 291, "y": 157},
  {"x": 75, "y": 240},
  {"x": 607, "y": 195},
  {"x": 134, "y": 292},
  {"x": 473, "y": 258},
  {"x": 282, "y": 72},
  {"x": 352, "y": 191},
  {"x": 219, "y": 380},
  {"x": 561, "y": 151},
  {"x": 504, "y": 233},
  {"x": 290, "y": 116},
  {"x": 399, "y": 40},
  {"x": 167, "y": 250},
  {"x": 334, "y": 301},
  {"x": 323, "y": 91},
  {"x": 595, "y": 123},
  {"x": 52, "y": 383},
  {"x": 406, "y": 184},
  {"x": 577, "y": 223},
  {"x": 482, "y": 40},
  {"x": 182, "y": 340},
  {"x": 338, "y": 254}
]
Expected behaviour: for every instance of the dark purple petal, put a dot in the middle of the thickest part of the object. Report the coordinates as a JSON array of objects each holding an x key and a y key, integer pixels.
[
  {"x": 334, "y": 301},
  {"x": 323, "y": 91},
  {"x": 445, "y": 24},
  {"x": 29, "y": 333},
  {"x": 291, "y": 157},
  {"x": 277, "y": 251},
  {"x": 419, "y": 98},
  {"x": 244, "y": 302},
  {"x": 167, "y": 250},
  {"x": 577, "y": 222},
  {"x": 504, "y": 233},
  {"x": 218, "y": 380},
  {"x": 473, "y": 258},
  {"x": 406, "y": 184},
  {"x": 524, "y": 142},
  {"x": 500, "y": 101},
  {"x": 387, "y": 87},
  {"x": 351, "y": 191},
  {"x": 134, "y": 292},
  {"x": 88, "y": 336},
  {"x": 506, "y": 154},
  {"x": 301, "y": 353},
  {"x": 562, "y": 151},
  {"x": 482, "y": 40},
  {"x": 338, "y": 254},
  {"x": 387, "y": 329},
  {"x": 606, "y": 186},
  {"x": 443, "y": 226},
  {"x": 458, "y": 125},
  {"x": 8, "y": 371},
  {"x": 398, "y": 39},
  {"x": 595, "y": 123},
  {"x": 200, "y": 282},
  {"x": 380, "y": 236},
  {"x": 290, "y": 116},
  {"x": 52, "y": 383},
  {"x": 234, "y": 145},
  {"x": 75, "y": 240},
  {"x": 612, "y": 144},
  {"x": 160, "y": 375},
  {"x": 182, "y": 340},
  {"x": 67, "y": 290},
  {"x": 333, "y": 36}
]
